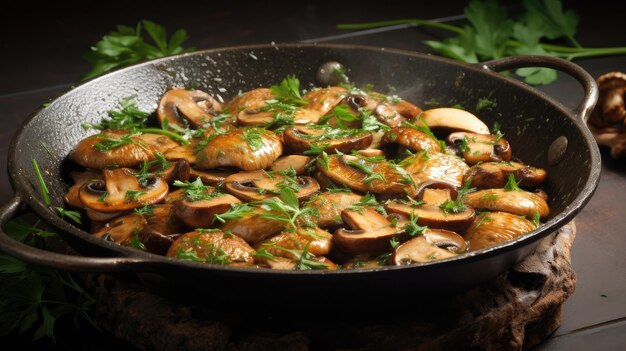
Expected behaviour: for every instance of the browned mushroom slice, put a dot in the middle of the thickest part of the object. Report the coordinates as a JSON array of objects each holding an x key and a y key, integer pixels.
[
  {"x": 282, "y": 263},
  {"x": 387, "y": 109},
  {"x": 433, "y": 245},
  {"x": 211, "y": 247},
  {"x": 298, "y": 141},
  {"x": 251, "y": 223},
  {"x": 120, "y": 190},
  {"x": 320, "y": 102},
  {"x": 367, "y": 176},
  {"x": 260, "y": 185},
  {"x": 161, "y": 230},
  {"x": 174, "y": 196},
  {"x": 179, "y": 170},
  {"x": 201, "y": 213},
  {"x": 291, "y": 244},
  {"x": 329, "y": 206},
  {"x": 493, "y": 228},
  {"x": 365, "y": 261},
  {"x": 517, "y": 202},
  {"x": 453, "y": 119},
  {"x": 370, "y": 152},
  {"x": 211, "y": 177},
  {"x": 182, "y": 107},
  {"x": 481, "y": 147},
  {"x": 427, "y": 166},
  {"x": 370, "y": 232},
  {"x": 72, "y": 198},
  {"x": 247, "y": 107},
  {"x": 101, "y": 217},
  {"x": 247, "y": 148},
  {"x": 495, "y": 174},
  {"x": 160, "y": 143},
  {"x": 111, "y": 148},
  {"x": 411, "y": 139},
  {"x": 122, "y": 229},
  {"x": 183, "y": 152},
  {"x": 296, "y": 162},
  {"x": 432, "y": 215}
]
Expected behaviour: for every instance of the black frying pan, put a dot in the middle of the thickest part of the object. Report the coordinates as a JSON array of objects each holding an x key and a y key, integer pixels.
[{"x": 541, "y": 131}]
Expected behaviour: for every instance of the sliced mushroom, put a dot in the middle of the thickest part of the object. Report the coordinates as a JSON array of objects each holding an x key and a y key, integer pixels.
[
  {"x": 370, "y": 232},
  {"x": 248, "y": 107},
  {"x": 329, "y": 206},
  {"x": 364, "y": 261},
  {"x": 183, "y": 152},
  {"x": 128, "y": 154},
  {"x": 253, "y": 226},
  {"x": 211, "y": 177},
  {"x": 174, "y": 196},
  {"x": 182, "y": 107},
  {"x": 120, "y": 190},
  {"x": 248, "y": 149},
  {"x": 161, "y": 230},
  {"x": 201, "y": 213},
  {"x": 411, "y": 139},
  {"x": 367, "y": 176},
  {"x": 296, "y": 162},
  {"x": 453, "y": 119},
  {"x": 481, "y": 147},
  {"x": 282, "y": 263},
  {"x": 179, "y": 170},
  {"x": 520, "y": 202},
  {"x": 427, "y": 166},
  {"x": 101, "y": 217},
  {"x": 160, "y": 143},
  {"x": 260, "y": 185},
  {"x": 211, "y": 247},
  {"x": 493, "y": 228},
  {"x": 316, "y": 240},
  {"x": 320, "y": 102},
  {"x": 433, "y": 245},
  {"x": 388, "y": 110},
  {"x": 72, "y": 198},
  {"x": 496, "y": 174},
  {"x": 432, "y": 215},
  {"x": 122, "y": 229},
  {"x": 298, "y": 141}
]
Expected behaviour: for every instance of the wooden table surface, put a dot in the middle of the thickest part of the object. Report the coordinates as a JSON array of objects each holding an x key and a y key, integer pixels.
[{"x": 42, "y": 56}]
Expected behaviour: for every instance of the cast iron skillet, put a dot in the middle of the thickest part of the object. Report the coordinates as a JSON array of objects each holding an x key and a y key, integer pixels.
[{"x": 541, "y": 131}]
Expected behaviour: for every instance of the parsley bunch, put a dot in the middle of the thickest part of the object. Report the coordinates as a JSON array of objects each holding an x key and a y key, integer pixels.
[
  {"x": 492, "y": 34},
  {"x": 127, "y": 46}
]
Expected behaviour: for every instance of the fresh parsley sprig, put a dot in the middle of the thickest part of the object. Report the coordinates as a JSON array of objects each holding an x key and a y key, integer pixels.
[
  {"x": 289, "y": 91},
  {"x": 492, "y": 34},
  {"x": 128, "y": 45}
]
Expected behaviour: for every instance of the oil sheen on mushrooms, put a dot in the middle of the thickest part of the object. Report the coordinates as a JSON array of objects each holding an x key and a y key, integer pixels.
[{"x": 277, "y": 177}]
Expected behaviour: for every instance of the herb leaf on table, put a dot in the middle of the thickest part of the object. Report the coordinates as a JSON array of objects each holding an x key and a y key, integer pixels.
[
  {"x": 491, "y": 34},
  {"x": 128, "y": 45}
]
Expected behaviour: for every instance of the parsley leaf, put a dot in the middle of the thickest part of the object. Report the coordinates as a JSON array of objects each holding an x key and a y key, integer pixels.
[
  {"x": 127, "y": 46},
  {"x": 511, "y": 184},
  {"x": 289, "y": 91}
]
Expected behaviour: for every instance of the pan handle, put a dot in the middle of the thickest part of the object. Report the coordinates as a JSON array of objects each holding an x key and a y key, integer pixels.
[
  {"x": 59, "y": 261},
  {"x": 585, "y": 79}
]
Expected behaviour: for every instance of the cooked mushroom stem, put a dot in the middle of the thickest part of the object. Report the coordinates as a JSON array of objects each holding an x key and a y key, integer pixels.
[
  {"x": 453, "y": 119},
  {"x": 495, "y": 174},
  {"x": 182, "y": 107}
]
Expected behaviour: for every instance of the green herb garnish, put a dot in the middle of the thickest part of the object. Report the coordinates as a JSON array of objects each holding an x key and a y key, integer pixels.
[
  {"x": 512, "y": 184},
  {"x": 289, "y": 91}
]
